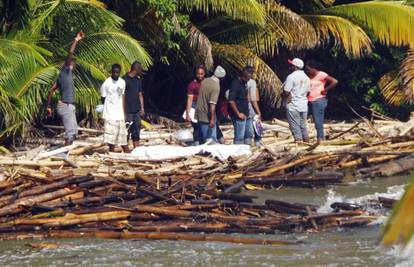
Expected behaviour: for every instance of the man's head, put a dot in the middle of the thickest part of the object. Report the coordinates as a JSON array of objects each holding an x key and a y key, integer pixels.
[
  {"x": 136, "y": 68},
  {"x": 200, "y": 73},
  {"x": 116, "y": 71},
  {"x": 219, "y": 72},
  {"x": 245, "y": 74},
  {"x": 296, "y": 64}
]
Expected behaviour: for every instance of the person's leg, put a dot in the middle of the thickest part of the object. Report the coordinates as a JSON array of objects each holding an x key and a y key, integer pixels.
[
  {"x": 121, "y": 136},
  {"x": 136, "y": 129},
  {"x": 220, "y": 136},
  {"x": 66, "y": 113},
  {"x": 212, "y": 133},
  {"x": 109, "y": 135},
  {"x": 293, "y": 118},
  {"x": 202, "y": 131},
  {"x": 249, "y": 132},
  {"x": 196, "y": 136},
  {"x": 304, "y": 126},
  {"x": 318, "y": 113},
  {"x": 239, "y": 131}
]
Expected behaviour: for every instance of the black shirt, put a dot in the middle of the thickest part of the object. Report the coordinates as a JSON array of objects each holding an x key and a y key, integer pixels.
[
  {"x": 238, "y": 93},
  {"x": 132, "y": 90},
  {"x": 66, "y": 85}
]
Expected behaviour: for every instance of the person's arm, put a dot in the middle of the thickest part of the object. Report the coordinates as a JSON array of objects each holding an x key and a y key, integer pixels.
[
  {"x": 123, "y": 103},
  {"x": 287, "y": 88},
  {"x": 257, "y": 109},
  {"x": 141, "y": 100},
  {"x": 232, "y": 102},
  {"x": 52, "y": 91},
  {"x": 212, "y": 106},
  {"x": 188, "y": 107},
  {"x": 103, "y": 93},
  {"x": 331, "y": 83},
  {"x": 212, "y": 122},
  {"x": 69, "y": 57}
]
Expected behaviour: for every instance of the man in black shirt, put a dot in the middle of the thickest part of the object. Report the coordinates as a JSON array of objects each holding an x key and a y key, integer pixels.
[
  {"x": 65, "y": 84},
  {"x": 239, "y": 108},
  {"x": 134, "y": 102}
]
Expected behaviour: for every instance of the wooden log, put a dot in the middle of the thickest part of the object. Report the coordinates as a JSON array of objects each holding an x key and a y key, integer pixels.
[
  {"x": 151, "y": 235},
  {"x": 291, "y": 208},
  {"x": 271, "y": 171},
  {"x": 396, "y": 167},
  {"x": 17, "y": 206}
]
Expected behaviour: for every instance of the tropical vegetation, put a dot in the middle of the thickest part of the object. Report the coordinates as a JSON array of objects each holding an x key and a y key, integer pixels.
[{"x": 170, "y": 37}]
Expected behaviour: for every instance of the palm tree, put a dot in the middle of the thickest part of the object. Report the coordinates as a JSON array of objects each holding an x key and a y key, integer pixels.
[{"x": 32, "y": 51}]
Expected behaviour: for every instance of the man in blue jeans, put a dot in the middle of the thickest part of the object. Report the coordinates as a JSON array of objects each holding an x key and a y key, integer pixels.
[
  {"x": 296, "y": 89},
  {"x": 239, "y": 109},
  {"x": 205, "y": 112}
]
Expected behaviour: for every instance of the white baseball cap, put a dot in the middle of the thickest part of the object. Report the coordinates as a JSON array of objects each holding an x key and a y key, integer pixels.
[
  {"x": 220, "y": 72},
  {"x": 297, "y": 62}
]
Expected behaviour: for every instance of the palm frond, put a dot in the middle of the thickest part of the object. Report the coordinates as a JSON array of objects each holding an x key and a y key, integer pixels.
[
  {"x": 105, "y": 48},
  {"x": 398, "y": 86},
  {"x": 287, "y": 27},
  {"x": 201, "y": 46},
  {"x": 246, "y": 10},
  {"x": 11, "y": 50},
  {"x": 400, "y": 225},
  {"x": 87, "y": 15},
  {"x": 235, "y": 57},
  {"x": 347, "y": 35},
  {"x": 392, "y": 22}
]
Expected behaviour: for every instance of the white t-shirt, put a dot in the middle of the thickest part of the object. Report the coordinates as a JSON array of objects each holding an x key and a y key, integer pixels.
[
  {"x": 113, "y": 91},
  {"x": 251, "y": 86},
  {"x": 298, "y": 84}
]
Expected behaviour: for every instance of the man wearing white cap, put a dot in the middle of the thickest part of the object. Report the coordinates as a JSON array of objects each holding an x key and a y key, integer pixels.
[
  {"x": 205, "y": 113},
  {"x": 296, "y": 89}
]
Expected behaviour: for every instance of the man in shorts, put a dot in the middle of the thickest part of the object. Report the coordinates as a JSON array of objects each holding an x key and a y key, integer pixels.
[{"x": 113, "y": 99}]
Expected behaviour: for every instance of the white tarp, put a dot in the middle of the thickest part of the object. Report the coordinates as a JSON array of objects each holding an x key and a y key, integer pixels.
[{"x": 168, "y": 152}]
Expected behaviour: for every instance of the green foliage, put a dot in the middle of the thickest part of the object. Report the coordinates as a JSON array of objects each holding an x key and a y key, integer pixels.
[{"x": 30, "y": 57}]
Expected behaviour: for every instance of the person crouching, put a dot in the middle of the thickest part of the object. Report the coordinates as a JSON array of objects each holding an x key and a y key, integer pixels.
[{"x": 113, "y": 99}]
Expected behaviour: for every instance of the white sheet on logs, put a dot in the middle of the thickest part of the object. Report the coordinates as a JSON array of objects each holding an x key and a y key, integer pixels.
[{"x": 168, "y": 152}]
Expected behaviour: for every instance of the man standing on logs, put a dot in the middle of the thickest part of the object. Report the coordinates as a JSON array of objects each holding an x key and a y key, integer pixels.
[
  {"x": 296, "y": 90},
  {"x": 65, "y": 84},
  {"x": 206, "y": 106},
  {"x": 134, "y": 102},
  {"x": 113, "y": 99}
]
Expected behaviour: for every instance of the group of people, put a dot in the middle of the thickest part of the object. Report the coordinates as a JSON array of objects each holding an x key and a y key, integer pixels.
[
  {"x": 305, "y": 86},
  {"x": 123, "y": 102},
  {"x": 203, "y": 106},
  {"x": 122, "y": 99}
]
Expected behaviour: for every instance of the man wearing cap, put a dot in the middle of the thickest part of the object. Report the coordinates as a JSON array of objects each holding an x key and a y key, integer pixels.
[
  {"x": 206, "y": 105},
  {"x": 296, "y": 89},
  {"x": 134, "y": 102}
]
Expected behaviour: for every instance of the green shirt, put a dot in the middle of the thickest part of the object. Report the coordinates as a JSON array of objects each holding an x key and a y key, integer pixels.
[{"x": 209, "y": 93}]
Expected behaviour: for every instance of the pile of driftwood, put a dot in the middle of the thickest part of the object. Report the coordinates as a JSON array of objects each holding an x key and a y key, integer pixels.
[{"x": 81, "y": 190}]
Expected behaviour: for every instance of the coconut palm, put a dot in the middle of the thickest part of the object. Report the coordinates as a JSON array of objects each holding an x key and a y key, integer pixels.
[{"x": 31, "y": 55}]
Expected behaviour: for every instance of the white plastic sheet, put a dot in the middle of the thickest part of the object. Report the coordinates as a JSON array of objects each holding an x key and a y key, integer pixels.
[{"x": 168, "y": 152}]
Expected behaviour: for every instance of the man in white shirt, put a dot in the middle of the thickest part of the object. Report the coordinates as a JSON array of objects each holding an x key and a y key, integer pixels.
[
  {"x": 113, "y": 98},
  {"x": 296, "y": 89}
]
